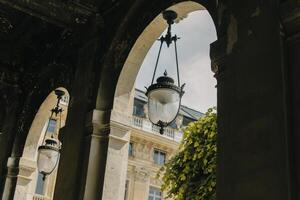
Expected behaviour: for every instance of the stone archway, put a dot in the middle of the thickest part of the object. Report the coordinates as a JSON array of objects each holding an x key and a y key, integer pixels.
[
  {"x": 140, "y": 49},
  {"x": 27, "y": 164},
  {"x": 91, "y": 141},
  {"x": 116, "y": 166},
  {"x": 256, "y": 58}
]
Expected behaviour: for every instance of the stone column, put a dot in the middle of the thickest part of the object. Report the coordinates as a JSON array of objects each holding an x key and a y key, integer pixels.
[
  {"x": 11, "y": 178},
  {"x": 96, "y": 146},
  {"x": 291, "y": 34},
  {"x": 253, "y": 160},
  {"x": 84, "y": 145},
  {"x": 117, "y": 162},
  {"x": 8, "y": 121},
  {"x": 24, "y": 188}
]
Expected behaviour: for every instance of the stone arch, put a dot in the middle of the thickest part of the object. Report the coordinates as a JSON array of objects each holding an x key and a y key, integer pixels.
[
  {"x": 124, "y": 45},
  {"x": 38, "y": 124},
  {"x": 123, "y": 94},
  {"x": 116, "y": 166},
  {"x": 51, "y": 77},
  {"x": 27, "y": 176}
]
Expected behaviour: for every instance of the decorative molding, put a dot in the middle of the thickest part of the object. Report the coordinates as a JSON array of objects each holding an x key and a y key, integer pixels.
[
  {"x": 27, "y": 167},
  {"x": 155, "y": 182},
  {"x": 219, "y": 57},
  {"x": 20, "y": 168},
  {"x": 142, "y": 151},
  {"x": 142, "y": 174},
  {"x": 6, "y": 25},
  {"x": 218, "y": 53},
  {"x": 98, "y": 122},
  {"x": 290, "y": 18}
]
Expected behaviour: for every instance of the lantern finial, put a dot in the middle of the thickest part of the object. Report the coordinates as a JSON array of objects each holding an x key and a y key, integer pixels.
[{"x": 165, "y": 73}]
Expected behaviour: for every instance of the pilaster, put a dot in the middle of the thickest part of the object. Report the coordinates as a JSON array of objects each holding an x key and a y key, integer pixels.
[
  {"x": 95, "y": 155},
  {"x": 117, "y": 162},
  {"x": 290, "y": 18},
  {"x": 253, "y": 155},
  {"x": 20, "y": 175},
  {"x": 141, "y": 183}
]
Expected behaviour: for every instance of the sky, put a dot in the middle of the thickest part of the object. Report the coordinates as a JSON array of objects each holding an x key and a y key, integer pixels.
[{"x": 196, "y": 32}]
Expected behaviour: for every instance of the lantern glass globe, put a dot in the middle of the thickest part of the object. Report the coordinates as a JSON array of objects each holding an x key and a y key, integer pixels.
[{"x": 48, "y": 156}]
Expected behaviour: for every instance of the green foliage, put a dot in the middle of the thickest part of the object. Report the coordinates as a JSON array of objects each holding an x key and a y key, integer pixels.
[{"x": 191, "y": 173}]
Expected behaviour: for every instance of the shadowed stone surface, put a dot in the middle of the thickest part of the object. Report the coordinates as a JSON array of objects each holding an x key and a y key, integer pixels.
[{"x": 85, "y": 46}]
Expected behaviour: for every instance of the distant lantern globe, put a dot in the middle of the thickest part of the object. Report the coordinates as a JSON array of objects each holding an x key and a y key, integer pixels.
[
  {"x": 49, "y": 151},
  {"x": 48, "y": 156},
  {"x": 164, "y": 100}
]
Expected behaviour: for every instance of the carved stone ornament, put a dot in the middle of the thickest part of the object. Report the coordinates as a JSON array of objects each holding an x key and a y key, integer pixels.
[{"x": 141, "y": 174}]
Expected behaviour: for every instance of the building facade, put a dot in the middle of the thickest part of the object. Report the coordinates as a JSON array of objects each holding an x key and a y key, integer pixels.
[
  {"x": 147, "y": 152},
  {"x": 88, "y": 46}
]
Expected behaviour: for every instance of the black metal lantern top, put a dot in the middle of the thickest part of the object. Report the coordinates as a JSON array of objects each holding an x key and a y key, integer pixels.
[
  {"x": 164, "y": 97},
  {"x": 165, "y": 82}
]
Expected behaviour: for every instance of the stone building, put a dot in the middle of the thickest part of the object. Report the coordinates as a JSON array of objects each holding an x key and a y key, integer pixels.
[
  {"x": 94, "y": 49},
  {"x": 147, "y": 152}
]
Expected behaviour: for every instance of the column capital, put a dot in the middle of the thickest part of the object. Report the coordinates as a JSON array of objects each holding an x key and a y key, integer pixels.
[
  {"x": 290, "y": 18},
  {"x": 98, "y": 122},
  {"x": 20, "y": 167},
  {"x": 219, "y": 55}
]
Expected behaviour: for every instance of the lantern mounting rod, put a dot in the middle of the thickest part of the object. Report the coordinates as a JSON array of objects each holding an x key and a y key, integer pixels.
[
  {"x": 57, "y": 109},
  {"x": 169, "y": 16}
]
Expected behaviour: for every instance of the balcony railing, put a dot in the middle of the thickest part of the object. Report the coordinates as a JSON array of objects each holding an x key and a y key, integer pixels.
[
  {"x": 146, "y": 125},
  {"x": 40, "y": 197}
]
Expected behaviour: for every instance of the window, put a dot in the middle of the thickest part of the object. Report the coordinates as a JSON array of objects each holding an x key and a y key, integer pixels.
[
  {"x": 51, "y": 126},
  {"x": 65, "y": 100},
  {"x": 138, "y": 109},
  {"x": 126, "y": 190},
  {"x": 159, "y": 157},
  {"x": 186, "y": 121},
  {"x": 154, "y": 194},
  {"x": 173, "y": 125},
  {"x": 39, "y": 189},
  {"x": 130, "y": 149}
]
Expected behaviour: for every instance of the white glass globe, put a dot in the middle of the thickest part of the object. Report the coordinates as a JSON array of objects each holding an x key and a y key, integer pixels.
[
  {"x": 163, "y": 105},
  {"x": 48, "y": 156}
]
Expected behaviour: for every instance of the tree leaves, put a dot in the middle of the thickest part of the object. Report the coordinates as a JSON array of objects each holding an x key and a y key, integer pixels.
[{"x": 191, "y": 173}]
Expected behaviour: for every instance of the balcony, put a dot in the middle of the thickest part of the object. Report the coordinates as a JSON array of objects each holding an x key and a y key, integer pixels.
[
  {"x": 40, "y": 197},
  {"x": 145, "y": 125}
]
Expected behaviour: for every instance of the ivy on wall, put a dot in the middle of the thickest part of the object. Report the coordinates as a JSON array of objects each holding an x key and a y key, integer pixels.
[{"x": 191, "y": 173}]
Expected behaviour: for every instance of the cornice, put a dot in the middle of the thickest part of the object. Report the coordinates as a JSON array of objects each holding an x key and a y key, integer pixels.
[
  {"x": 153, "y": 138},
  {"x": 290, "y": 19}
]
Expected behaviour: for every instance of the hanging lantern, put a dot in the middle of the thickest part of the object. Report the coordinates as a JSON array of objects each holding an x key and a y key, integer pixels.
[
  {"x": 48, "y": 156},
  {"x": 164, "y": 97},
  {"x": 49, "y": 151}
]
